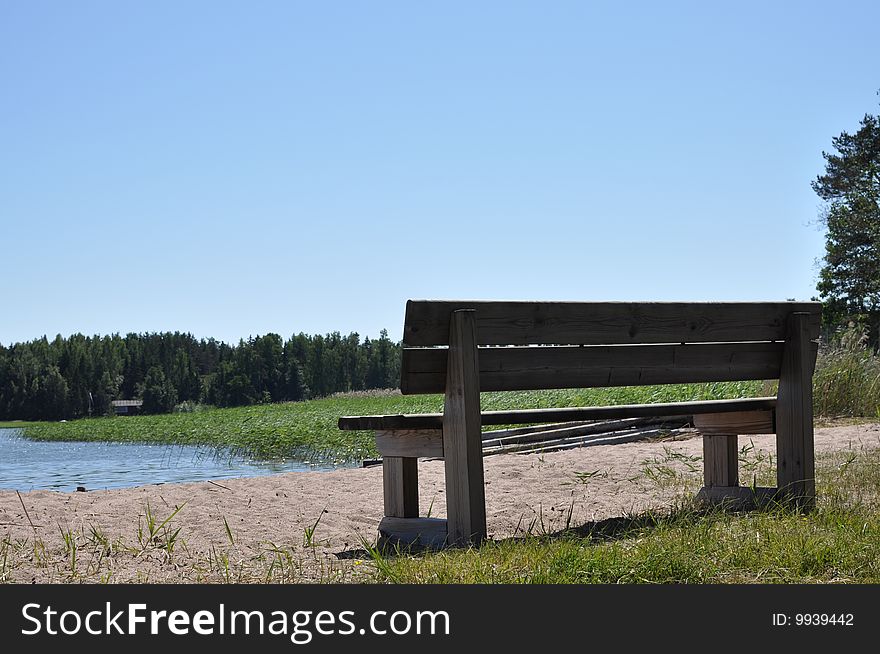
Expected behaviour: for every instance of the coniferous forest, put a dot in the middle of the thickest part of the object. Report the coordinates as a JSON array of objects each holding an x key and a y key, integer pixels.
[{"x": 80, "y": 376}]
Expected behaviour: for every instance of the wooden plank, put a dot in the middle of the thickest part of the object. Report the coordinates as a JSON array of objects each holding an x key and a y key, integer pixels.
[
  {"x": 517, "y": 431},
  {"x": 410, "y": 442},
  {"x": 720, "y": 463},
  {"x": 578, "y": 430},
  {"x": 742, "y": 422},
  {"x": 423, "y": 370},
  {"x": 794, "y": 416},
  {"x": 418, "y": 533},
  {"x": 738, "y": 498},
  {"x": 400, "y": 481},
  {"x": 543, "y": 432},
  {"x": 565, "y": 414},
  {"x": 462, "y": 446},
  {"x": 610, "y": 439},
  {"x": 596, "y": 323},
  {"x": 553, "y": 445}
]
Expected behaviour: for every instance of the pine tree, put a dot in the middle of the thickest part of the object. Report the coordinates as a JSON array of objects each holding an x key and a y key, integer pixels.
[{"x": 849, "y": 281}]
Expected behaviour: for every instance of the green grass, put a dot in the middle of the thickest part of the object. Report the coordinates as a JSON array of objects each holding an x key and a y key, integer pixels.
[
  {"x": 308, "y": 430},
  {"x": 847, "y": 377},
  {"x": 839, "y": 542}
]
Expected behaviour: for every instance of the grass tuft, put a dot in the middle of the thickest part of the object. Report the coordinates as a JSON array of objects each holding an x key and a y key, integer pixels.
[{"x": 847, "y": 377}]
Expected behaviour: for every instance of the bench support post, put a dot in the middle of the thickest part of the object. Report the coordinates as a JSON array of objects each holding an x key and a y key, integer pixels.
[
  {"x": 721, "y": 457},
  {"x": 720, "y": 462},
  {"x": 462, "y": 444},
  {"x": 794, "y": 416},
  {"x": 400, "y": 479}
]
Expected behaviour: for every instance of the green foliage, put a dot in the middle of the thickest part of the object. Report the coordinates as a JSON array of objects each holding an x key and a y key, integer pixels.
[
  {"x": 50, "y": 394},
  {"x": 847, "y": 377},
  {"x": 152, "y": 533},
  {"x": 106, "y": 391},
  {"x": 159, "y": 393},
  {"x": 80, "y": 376},
  {"x": 849, "y": 281}
]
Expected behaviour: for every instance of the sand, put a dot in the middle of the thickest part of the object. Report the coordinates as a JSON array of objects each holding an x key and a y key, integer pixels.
[{"x": 269, "y": 517}]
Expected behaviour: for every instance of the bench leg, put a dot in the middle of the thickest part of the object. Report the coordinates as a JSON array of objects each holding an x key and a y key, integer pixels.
[
  {"x": 721, "y": 477},
  {"x": 794, "y": 417},
  {"x": 721, "y": 459},
  {"x": 402, "y": 528},
  {"x": 400, "y": 479},
  {"x": 720, "y": 462},
  {"x": 462, "y": 444}
]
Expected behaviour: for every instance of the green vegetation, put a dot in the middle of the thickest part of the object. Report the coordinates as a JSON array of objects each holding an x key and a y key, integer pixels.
[
  {"x": 838, "y": 542},
  {"x": 849, "y": 281},
  {"x": 80, "y": 376},
  {"x": 308, "y": 430},
  {"x": 847, "y": 377}
]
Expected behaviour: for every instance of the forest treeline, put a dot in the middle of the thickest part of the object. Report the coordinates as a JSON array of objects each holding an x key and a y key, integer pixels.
[{"x": 79, "y": 376}]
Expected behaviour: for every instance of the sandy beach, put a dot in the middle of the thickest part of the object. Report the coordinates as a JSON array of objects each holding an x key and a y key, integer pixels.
[{"x": 260, "y": 529}]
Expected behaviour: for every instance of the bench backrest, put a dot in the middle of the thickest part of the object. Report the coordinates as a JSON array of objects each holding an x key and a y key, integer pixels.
[{"x": 548, "y": 345}]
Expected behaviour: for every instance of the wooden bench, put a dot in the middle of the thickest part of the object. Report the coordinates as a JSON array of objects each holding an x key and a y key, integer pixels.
[{"x": 461, "y": 348}]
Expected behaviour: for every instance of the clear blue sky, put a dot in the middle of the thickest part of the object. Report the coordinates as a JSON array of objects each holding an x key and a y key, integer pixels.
[{"x": 232, "y": 169}]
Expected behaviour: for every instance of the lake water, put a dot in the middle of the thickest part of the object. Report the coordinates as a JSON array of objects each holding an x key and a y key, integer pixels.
[{"x": 62, "y": 466}]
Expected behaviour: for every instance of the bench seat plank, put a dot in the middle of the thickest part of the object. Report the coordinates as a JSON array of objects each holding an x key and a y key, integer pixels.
[{"x": 527, "y": 416}]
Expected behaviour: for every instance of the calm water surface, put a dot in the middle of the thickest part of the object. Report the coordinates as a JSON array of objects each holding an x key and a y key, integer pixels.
[{"x": 28, "y": 465}]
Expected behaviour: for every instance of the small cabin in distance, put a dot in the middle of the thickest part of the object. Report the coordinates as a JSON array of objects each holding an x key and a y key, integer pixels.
[{"x": 126, "y": 407}]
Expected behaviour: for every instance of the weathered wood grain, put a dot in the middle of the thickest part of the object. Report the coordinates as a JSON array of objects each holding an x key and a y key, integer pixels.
[
  {"x": 557, "y": 444},
  {"x": 518, "y": 431},
  {"x": 410, "y": 442},
  {"x": 794, "y": 415},
  {"x": 596, "y": 323},
  {"x": 400, "y": 481},
  {"x": 720, "y": 462},
  {"x": 419, "y": 533},
  {"x": 742, "y": 422},
  {"x": 423, "y": 370},
  {"x": 462, "y": 446},
  {"x": 534, "y": 434}
]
